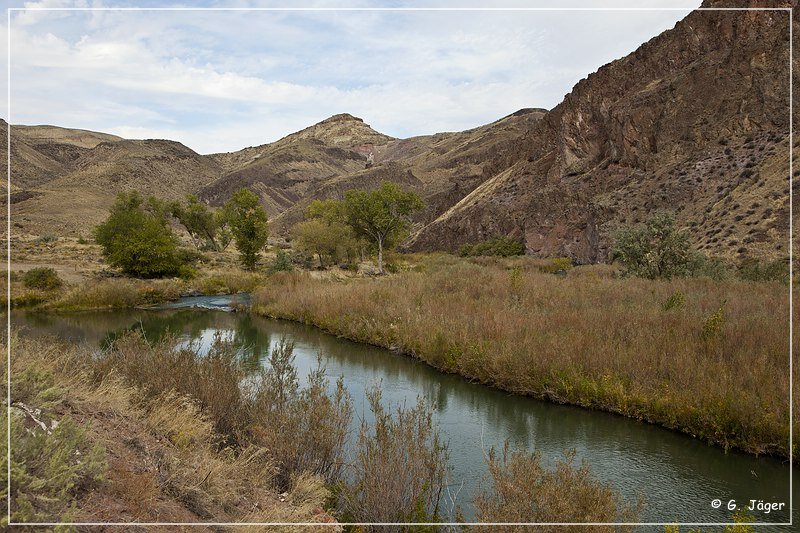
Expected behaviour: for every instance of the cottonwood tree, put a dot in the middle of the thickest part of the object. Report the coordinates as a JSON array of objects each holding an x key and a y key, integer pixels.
[
  {"x": 204, "y": 226},
  {"x": 248, "y": 222},
  {"x": 381, "y": 216}
]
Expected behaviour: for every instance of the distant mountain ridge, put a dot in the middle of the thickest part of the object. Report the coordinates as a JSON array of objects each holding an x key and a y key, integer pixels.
[{"x": 694, "y": 121}]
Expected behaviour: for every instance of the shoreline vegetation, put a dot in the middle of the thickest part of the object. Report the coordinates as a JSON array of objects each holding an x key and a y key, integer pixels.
[
  {"x": 159, "y": 432},
  {"x": 706, "y": 358},
  {"x": 675, "y": 338}
]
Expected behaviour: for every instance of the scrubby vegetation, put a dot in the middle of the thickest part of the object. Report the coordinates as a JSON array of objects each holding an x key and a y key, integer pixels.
[
  {"x": 400, "y": 468},
  {"x": 520, "y": 489},
  {"x": 162, "y": 432},
  {"x": 43, "y": 278},
  {"x": 137, "y": 239},
  {"x": 625, "y": 345},
  {"x": 160, "y": 458},
  {"x": 500, "y": 246},
  {"x": 659, "y": 250},
  {"x": 331, "y": 241},
  {"x": 653, "y": 250}
]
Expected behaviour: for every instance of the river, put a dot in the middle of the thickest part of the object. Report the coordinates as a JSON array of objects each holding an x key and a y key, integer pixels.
[{"x": 677, "y": 476}]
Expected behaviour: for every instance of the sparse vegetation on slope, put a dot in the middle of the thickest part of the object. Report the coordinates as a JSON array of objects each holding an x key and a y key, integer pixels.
[{"x": 585, "y": 339}]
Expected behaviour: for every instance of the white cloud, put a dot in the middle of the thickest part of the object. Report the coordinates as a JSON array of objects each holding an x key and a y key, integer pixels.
[{"x": 223, "y": 80}]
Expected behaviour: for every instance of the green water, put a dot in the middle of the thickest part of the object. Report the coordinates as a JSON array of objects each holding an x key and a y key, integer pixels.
[{"x": 677, "y": 476}]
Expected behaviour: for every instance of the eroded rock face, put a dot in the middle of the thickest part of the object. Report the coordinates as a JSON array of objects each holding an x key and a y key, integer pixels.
[{"x": 694, "y": 121}]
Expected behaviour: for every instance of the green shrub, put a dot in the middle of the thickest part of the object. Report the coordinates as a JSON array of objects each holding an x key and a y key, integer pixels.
[
  {"x": 714, "y": 268},
  {"x": 675, "y": 301},
  {"x": 52, "y": 460},
  {"x": 714, "y": 324},
  {"x": 139, "y": 241},
  {"x": 557, "y": 265},
  {"x": 653, "y": 250},
  {"x": 281, "y": 262},
  {"x": 43, "y": 278},
  {"x": 502, "y": 246},
  {"x": 46, "y": 238},
  {"x": 754, "y": 270}
]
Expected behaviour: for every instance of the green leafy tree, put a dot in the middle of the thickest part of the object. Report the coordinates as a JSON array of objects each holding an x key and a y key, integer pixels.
[
  {"x": 248, "y": 222},
  {"x": 656, "y": 249},
  {"x": 381, "y": 216},
  {"x": 327, "y": 240},
  {"x": 137, "y": 239},
  {"x": 202, "y": 224}
]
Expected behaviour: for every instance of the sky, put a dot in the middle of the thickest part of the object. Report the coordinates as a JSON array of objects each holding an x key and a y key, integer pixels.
[{"x": 223, "y": 80}]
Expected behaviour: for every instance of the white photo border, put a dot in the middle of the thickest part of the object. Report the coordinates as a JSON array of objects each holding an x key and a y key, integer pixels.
[{"x": 10, "y": 10}]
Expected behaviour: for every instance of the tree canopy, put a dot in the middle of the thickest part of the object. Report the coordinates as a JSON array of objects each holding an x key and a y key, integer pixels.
[
  {"x": 137, "y": 239},
  {"x": 248, "y": 222},
  {"x": 656, "y": 249},
  {"x": 381, "y": 216}
]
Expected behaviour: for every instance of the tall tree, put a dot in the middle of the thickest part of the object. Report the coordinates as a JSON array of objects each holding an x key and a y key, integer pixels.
[
  {"x": 200, "y": 222},
  {"x": 248, "y": 222},
  {"x": 382, "y": 215}
]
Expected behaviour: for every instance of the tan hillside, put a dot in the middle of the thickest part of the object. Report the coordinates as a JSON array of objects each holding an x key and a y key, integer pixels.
[
  {"x": 442, "y": 168},
  {"x": 695, "y": 121},
  {"x": 75, "y": 202},
  {"x": 284, "y": 172},
  {"x": 53, "y": 134}
]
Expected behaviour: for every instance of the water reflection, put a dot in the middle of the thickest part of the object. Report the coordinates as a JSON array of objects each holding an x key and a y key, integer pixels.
[{"x": 677, "y": 475}]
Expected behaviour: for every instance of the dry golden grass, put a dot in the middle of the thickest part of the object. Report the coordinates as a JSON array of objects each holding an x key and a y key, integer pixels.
[
  {"x": 164, "y": 462},
  {"x": 587, "y": 339}
]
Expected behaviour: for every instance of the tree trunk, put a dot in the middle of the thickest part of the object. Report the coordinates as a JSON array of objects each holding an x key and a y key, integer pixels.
[{"x": 380, "y": 256}]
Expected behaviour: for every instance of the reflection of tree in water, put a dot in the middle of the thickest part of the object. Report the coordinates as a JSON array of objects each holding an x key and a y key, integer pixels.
[
  {"x": 155, "y": 325},
  {"x": 254, "y": 342},
  {"x": 194, "y": 326}
]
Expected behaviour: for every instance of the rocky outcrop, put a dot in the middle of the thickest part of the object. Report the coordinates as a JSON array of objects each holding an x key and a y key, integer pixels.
[{"x": 695, "y": 121}]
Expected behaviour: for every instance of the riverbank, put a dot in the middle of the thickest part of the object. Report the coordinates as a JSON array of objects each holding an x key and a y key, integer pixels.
[
  {"x": 698, "y": 356},
  {"x": 87, "y": 446}
]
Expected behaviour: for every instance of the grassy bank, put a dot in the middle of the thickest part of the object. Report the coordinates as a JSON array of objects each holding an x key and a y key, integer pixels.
[
  {"x": 706, "y": 358},
  {"x": 88, "y": 446},
  {"x": 125, "y": 292}
]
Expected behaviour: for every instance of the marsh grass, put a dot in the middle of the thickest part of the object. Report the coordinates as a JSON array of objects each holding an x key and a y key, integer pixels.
[
  {"x": 119, "y": 293},
  {"x": 587, "y": 338}
]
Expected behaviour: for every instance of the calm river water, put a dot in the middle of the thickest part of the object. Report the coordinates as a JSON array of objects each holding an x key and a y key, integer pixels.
[{"x": 677, "y": 476}]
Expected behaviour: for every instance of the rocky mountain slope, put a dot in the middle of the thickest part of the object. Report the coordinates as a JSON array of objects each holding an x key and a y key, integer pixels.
[
  {"x": 286, "y": 171},
  {"x": 442, "y": 168},
  {"x": 695, "y": 121}
]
